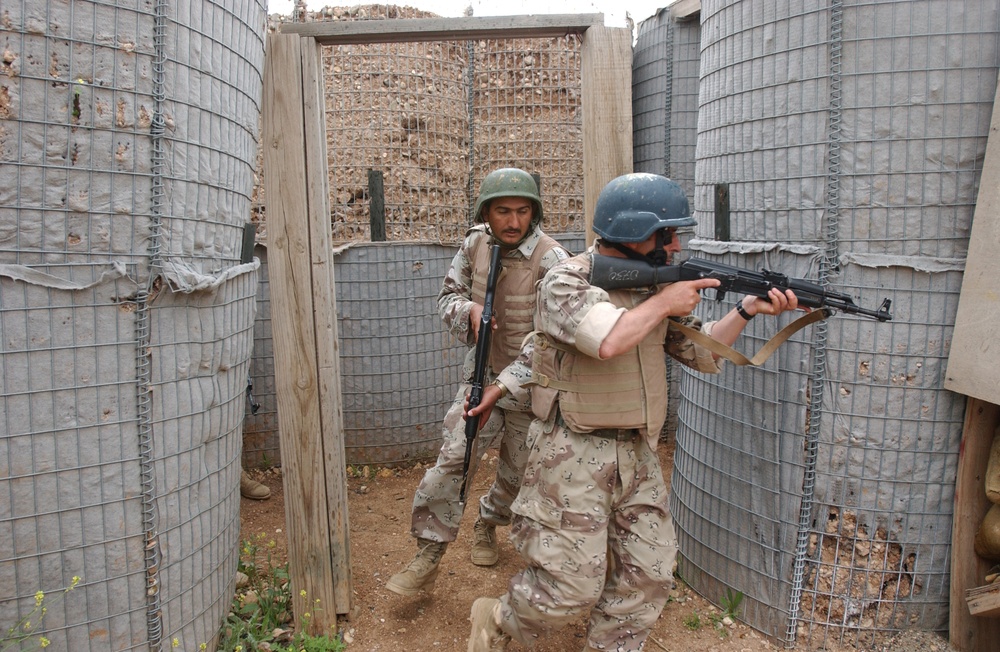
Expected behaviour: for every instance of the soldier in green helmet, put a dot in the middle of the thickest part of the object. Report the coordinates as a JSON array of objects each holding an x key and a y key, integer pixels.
[{"x": 508, "y": 212}]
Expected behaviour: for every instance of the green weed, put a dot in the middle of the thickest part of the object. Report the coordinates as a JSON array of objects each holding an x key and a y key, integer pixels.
[
  {"x": 262, "y": 610},
  {"x": 25, "y": 630},
  {"x": 693, "y": 621},
  {"x": 731, "y": 602}
]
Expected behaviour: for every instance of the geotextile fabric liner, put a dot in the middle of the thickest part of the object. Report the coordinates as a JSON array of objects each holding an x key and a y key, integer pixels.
[
  {"x": 665, "y": 123},
  {"x": 849, "y": 138},
  {"x": 127, "y": 148}
]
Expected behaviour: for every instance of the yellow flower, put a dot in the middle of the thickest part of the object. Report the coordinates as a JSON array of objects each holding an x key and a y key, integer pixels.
[
  {"x": 306, "y": 615},
  {"x": 302, "y": 593},
  {"x": 175, "y": 642},
  {"x": 44, "y": 642},
  {"x": 238, "y": 648},
  {"x": 39, "y": 596},
  {"x": 203, "y": 646},
  {"x": 76, "y": 580}
]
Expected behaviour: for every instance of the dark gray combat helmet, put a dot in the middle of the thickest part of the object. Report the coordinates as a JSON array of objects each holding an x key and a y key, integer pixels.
[
  {"x": 508, "y": 182},
  {"x": 633, "y": 207}
]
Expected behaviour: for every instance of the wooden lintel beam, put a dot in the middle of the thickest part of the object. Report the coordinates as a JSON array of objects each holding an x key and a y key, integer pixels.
[
  {"x": 685, "y": 9},
  {"x": 346, "y": 32}
]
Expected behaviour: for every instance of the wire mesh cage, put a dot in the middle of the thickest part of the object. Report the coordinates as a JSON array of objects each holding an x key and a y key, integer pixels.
[
  {"x": 126, "y": 162},
  {"x": 664, "y": 123},
  {"x": 841, "y": 142},
  {"x": 415, "y": 126}
]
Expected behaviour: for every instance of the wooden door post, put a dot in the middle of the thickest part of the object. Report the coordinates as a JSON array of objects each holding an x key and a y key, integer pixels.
[{"x": 304, "y": 319}]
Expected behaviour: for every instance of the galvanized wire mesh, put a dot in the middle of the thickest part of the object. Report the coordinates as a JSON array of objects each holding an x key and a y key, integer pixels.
[
  {"x": 127, "y": 143},
  {"x": 418, "y": 125},
  {"x": 434, "y": 118},
  {"x": 665, "y": 79},
  {"x": 664, "y": 123},
  {"x": 69, "y": 477},
  {"x": 398, "y": 366},
  {"x": 260, "y": 422},
  {"x": 848, "y": 138}
]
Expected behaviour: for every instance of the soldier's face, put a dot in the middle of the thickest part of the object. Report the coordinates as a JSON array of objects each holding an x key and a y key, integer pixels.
[
  {"x": 673, "y": 246},
  {"x": 510, "y": 218}
]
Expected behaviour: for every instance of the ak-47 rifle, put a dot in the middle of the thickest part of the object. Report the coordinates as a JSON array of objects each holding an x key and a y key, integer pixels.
[
  {"x": 611, "y": 273},
  {"x": 482, "y": 362}
]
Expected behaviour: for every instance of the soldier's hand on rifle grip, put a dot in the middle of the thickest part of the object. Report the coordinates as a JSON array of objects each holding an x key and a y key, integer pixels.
[
  {"x": 476, "y": 318},
  {"x": 682, "y": 297},
  {"x": 491, "y": 394}
]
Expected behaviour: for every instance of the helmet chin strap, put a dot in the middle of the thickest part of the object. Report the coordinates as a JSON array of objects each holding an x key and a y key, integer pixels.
[{"x": 657, "y": 257}]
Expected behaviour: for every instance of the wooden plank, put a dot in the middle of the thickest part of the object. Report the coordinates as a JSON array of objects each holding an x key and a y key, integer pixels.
[
  {"x": 974, "y": 360},
  {"x": 606, "y": 83},
  {"x": 967, "y": 633},
  {"x": 295, "y": 343},
  {"x": 337, "y": 546},
  {"x": 685, "y": 9},
  {"x": 443, "y": 29},
  {"x": 984, "y": 601}
]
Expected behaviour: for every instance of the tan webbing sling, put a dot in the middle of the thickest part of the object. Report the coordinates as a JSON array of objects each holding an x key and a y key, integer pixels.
[{"x": 765, "y": 352}]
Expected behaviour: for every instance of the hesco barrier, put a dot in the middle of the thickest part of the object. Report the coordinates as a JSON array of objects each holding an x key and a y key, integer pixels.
[
  {"x": 843, "y": 142},
  {"x": 665, "y": 123},
  {"x": 127, "y": 149}
]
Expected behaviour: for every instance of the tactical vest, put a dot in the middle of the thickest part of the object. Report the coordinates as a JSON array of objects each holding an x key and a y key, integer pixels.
[
  {"x": 514, "y": 301},
  {"x": 627, "y": 391}
]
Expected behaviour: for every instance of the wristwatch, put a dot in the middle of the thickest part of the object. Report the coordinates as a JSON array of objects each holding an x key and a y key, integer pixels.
[{"x": 743, "y": 313}]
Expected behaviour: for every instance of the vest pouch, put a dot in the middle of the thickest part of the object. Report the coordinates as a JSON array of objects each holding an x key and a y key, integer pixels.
[
  {"x": 603, "y": 394},
  {"x": 544, "y": 366}
]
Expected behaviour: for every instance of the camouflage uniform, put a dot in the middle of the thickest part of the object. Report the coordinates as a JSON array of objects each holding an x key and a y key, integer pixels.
[
  {"x": 436, "y": 511},
  {"x": 584, "y": 495}
]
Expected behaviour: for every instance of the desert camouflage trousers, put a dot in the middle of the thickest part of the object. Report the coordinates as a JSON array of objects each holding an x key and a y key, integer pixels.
[
  {"x": 584, "y": 498},
  {"x": 436, "y": 511}
]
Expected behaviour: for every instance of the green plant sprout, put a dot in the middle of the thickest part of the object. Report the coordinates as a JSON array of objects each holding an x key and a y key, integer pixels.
[
  {"x": 262, "y": 610},
  {"x": 731, "y": 602},
  {"x": 692, "y": 621}
]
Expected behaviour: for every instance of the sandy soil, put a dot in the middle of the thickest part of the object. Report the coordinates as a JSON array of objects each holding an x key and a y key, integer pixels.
[{"x": 379, "y": 507}]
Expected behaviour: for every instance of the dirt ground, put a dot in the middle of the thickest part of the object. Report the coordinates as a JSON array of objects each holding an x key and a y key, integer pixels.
[{"x": 379, "y": 512}]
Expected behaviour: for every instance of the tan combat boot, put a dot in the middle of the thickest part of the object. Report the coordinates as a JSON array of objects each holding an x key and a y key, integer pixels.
[
  {"x": 486, "y": 634},
  {"x": 250, "y": 488},
  {"x": 422, "y": 571},
  {"x": 484, "y": 543}
]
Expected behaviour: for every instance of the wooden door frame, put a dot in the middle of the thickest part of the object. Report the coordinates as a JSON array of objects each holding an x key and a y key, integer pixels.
[{"x": 300, "y": 258}]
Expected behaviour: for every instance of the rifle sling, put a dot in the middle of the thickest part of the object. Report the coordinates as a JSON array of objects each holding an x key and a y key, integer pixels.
[
  {"x": 714, "y": 346},
  {"x": 765, "y": 352}
]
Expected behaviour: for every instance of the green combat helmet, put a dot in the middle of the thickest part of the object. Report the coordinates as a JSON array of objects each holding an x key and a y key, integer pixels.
[{"x": 508, "y": 182}]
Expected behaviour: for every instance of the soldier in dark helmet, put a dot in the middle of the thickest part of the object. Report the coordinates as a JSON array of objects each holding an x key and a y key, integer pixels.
[
  {"x": 509, "y": 213},
  {"x": 593, "y": 485}
]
